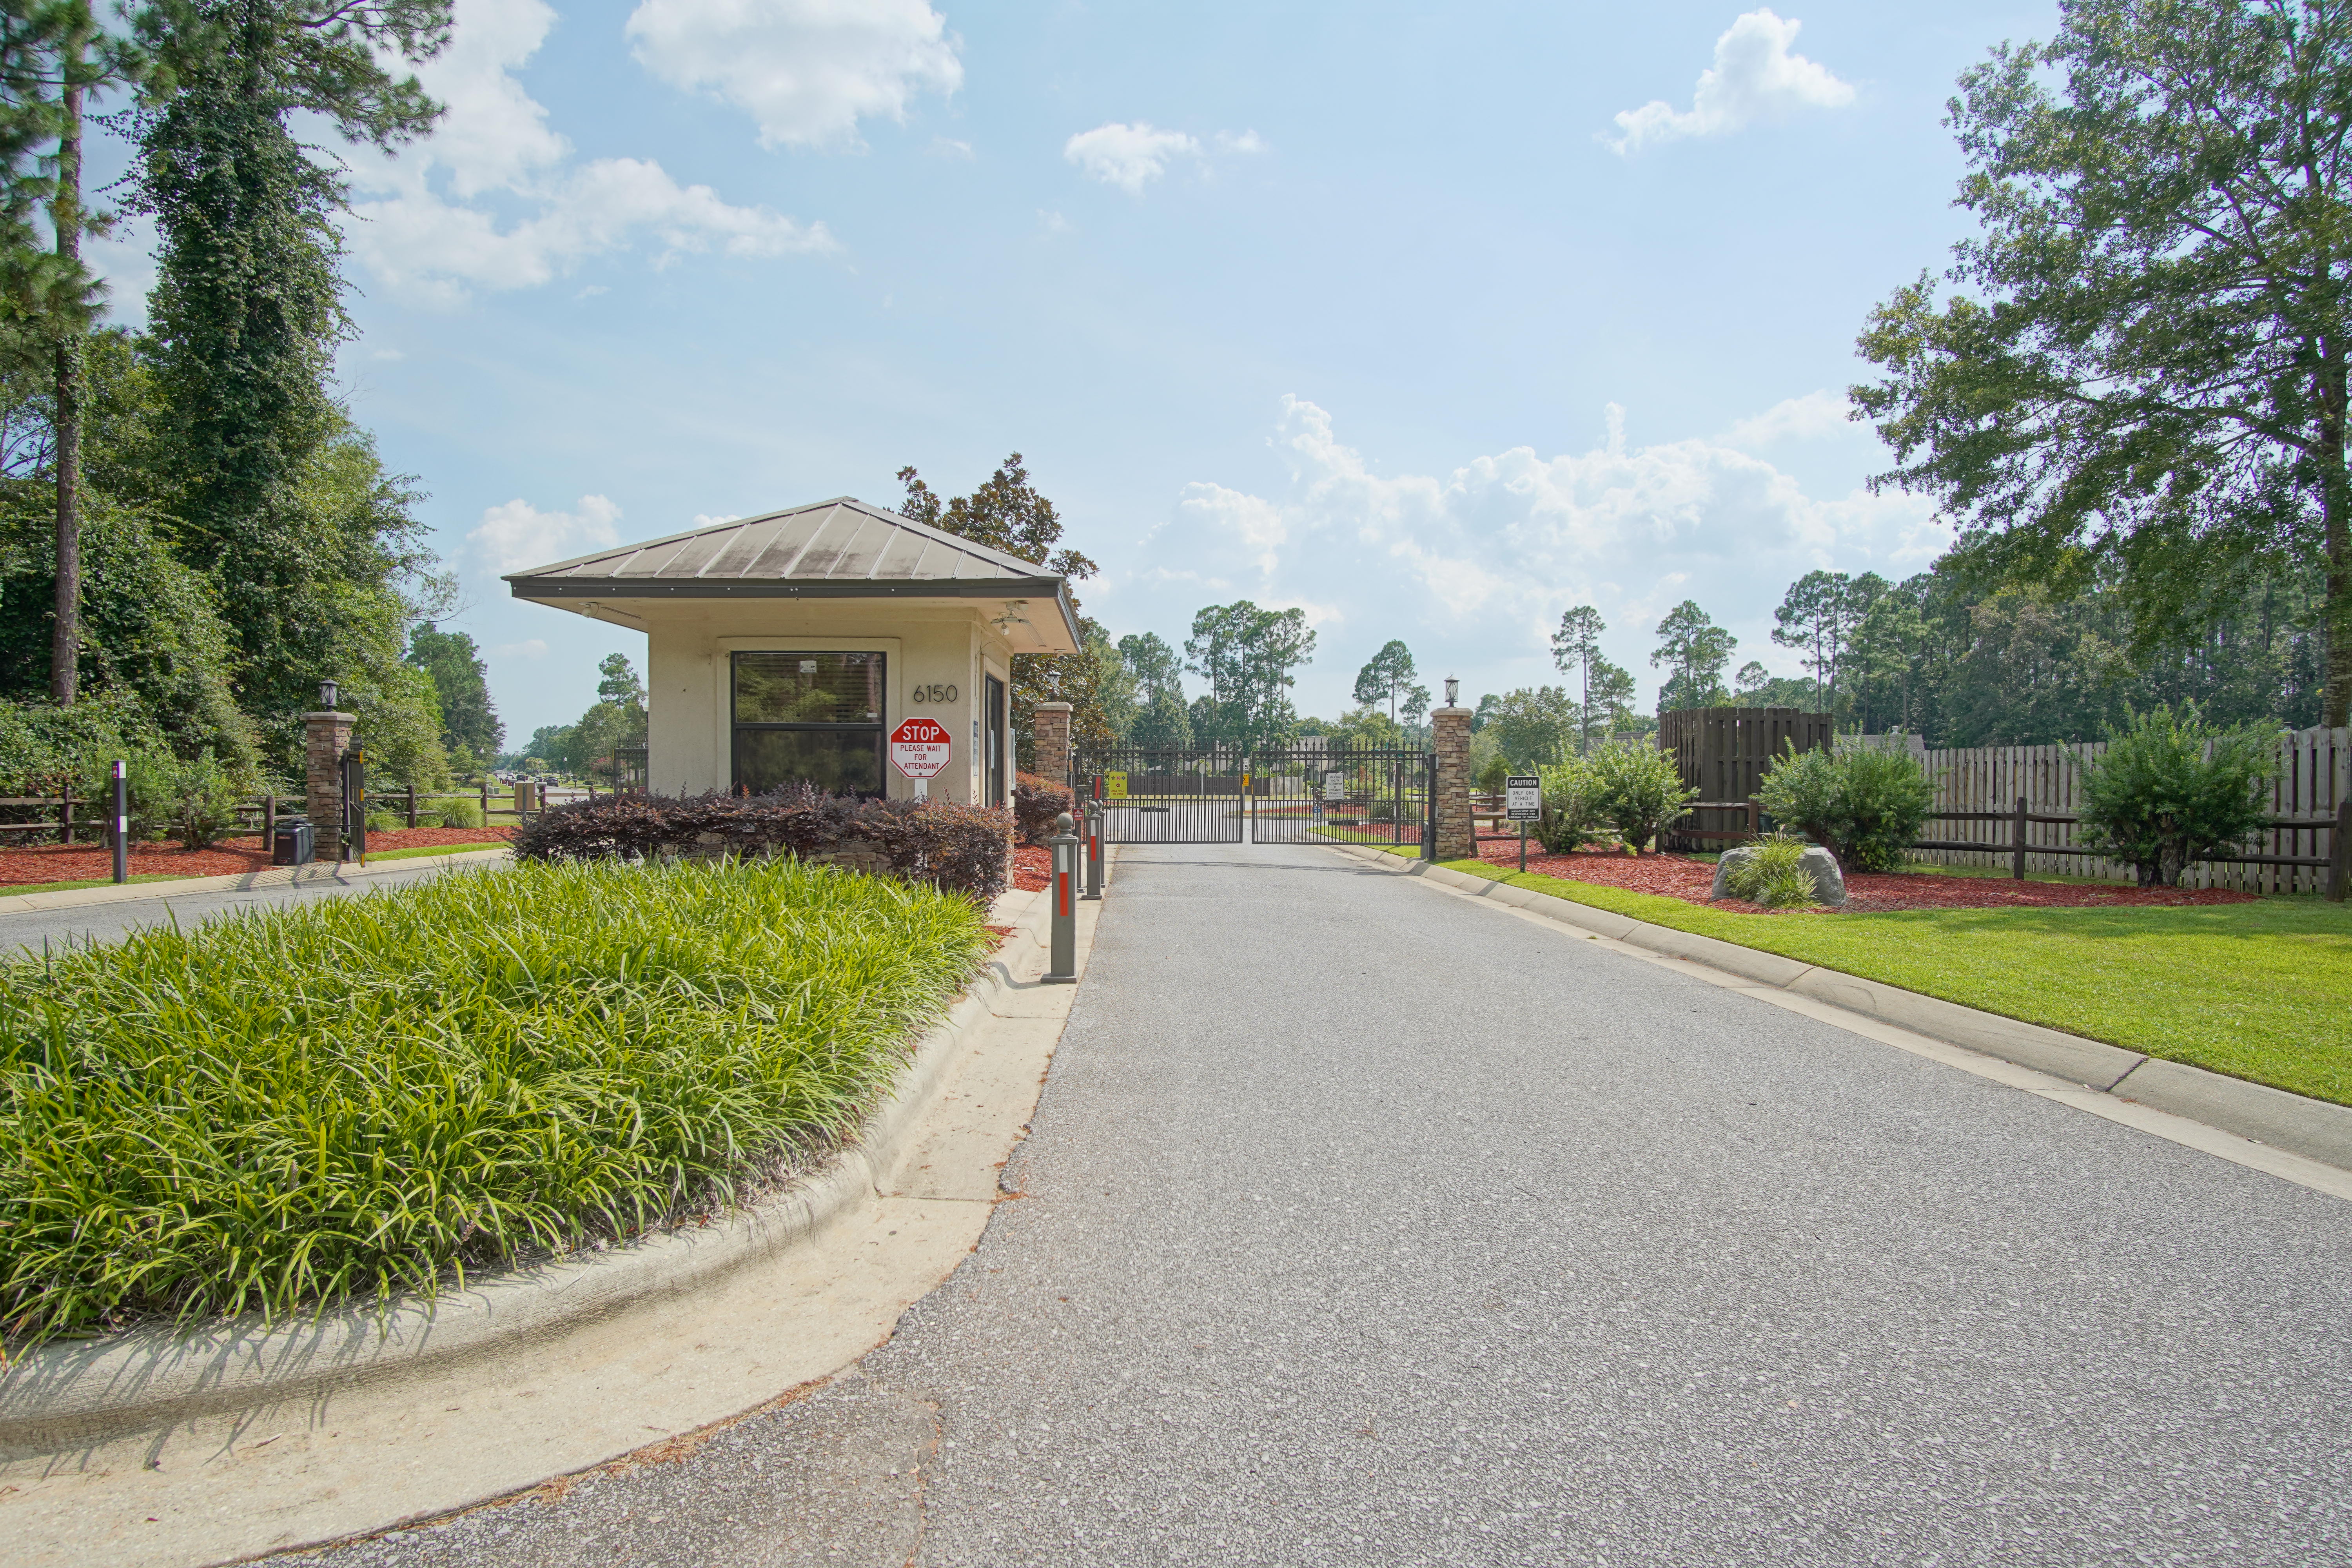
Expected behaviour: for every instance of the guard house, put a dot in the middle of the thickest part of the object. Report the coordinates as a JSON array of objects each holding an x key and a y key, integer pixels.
[{"x": 787, "y": 647}]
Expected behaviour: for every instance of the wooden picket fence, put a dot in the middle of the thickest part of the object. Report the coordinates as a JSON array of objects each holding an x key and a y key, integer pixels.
[{"x": 2315, "y": 777}]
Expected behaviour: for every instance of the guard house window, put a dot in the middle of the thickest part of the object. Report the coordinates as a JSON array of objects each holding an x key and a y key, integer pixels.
[{"x": 808, "y": 718}]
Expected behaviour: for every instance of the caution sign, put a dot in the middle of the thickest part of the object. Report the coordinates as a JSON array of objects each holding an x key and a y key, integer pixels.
[
  {"x": 919, "y": 748},
  {"x": 1114, "y": 786},
  {"x": 1522, "y": 797}
]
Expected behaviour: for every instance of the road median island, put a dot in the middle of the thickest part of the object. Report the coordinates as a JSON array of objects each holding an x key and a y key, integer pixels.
[
  {"x": 875, "y": 988},
  {"x": 2183, "y": 1010}
]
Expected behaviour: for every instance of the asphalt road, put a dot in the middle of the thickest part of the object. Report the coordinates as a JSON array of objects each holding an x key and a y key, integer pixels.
[
  {"x": 107, "y": 922},
  {"x": 1364, "y": 1224}
]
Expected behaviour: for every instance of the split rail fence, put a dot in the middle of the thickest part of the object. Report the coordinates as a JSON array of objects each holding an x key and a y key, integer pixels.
[{"x": 71, "y": 818}]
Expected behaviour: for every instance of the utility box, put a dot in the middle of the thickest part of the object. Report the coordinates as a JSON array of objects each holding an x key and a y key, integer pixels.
[
  {"x": 525, "y": 796},
  {"x": 292, "y": 845}
]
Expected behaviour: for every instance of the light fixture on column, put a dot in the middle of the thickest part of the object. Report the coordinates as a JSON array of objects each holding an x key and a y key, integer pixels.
[
  {"x": 1453, "y": 691},
  {"x": 327, "y": 695}
]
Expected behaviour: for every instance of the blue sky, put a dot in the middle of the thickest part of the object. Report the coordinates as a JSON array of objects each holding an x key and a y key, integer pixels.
[{"x": 1433, "y": 322}]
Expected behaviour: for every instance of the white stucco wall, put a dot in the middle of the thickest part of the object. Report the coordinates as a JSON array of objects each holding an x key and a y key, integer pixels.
[{"x": 925, "y": 646}]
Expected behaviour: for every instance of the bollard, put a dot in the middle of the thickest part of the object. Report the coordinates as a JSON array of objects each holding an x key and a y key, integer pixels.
[
  {"x": 1094, "y": 850},
  {"x": 121, "y": 822},
  {"x": 1064, "y": 969}
]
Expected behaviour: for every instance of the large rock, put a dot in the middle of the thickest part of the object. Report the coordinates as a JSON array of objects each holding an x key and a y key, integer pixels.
[{"x": 1829, "y": 883}]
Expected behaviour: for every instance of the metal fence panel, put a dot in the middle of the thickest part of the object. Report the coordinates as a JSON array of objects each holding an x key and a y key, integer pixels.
[
  {"x": 1163, "y": 797},
  {"x": 1317, "y": 795}
]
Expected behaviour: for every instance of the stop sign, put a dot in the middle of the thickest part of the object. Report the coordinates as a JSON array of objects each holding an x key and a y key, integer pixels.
[{"x": 919, "y": 748}]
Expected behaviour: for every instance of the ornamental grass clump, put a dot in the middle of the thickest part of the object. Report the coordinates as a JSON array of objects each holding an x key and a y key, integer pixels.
[
  {"x": 357, "y": 1097},
  {"x": 1774, "y": 875}
]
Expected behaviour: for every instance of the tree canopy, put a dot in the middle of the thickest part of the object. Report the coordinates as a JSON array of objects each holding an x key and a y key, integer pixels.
[
  {"x": 1694, "y": 652},
  {"x": 2140, "y": 375}
]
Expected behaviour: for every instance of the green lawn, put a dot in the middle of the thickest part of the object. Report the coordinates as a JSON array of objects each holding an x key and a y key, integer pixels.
[
  {"x": 94, "y": 883},
  {"x": 2259, "y": 991},
  {"x": 375, "y": 854}
]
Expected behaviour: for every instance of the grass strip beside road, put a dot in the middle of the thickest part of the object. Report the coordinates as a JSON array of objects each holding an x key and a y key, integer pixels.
[
  {"x": 2261, "y": 990},
  {"x": 373, "y": 855},
  {"x": 93, "y": 882},
  {"x": 362, "y": 1097},
  {"x": 411, "y": 854}
]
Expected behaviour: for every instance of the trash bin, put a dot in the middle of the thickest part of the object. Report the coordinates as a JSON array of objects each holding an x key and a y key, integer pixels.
[{"x": 293, "y": 844}]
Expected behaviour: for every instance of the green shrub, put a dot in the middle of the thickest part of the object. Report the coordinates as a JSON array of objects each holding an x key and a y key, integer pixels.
[
  {"x": 1491, "y": 777},
  {"x": 1568, "y": 806},
  {"x": 1638, "y": 790},
  {"x": 385, "y": 821},
  {"x": 1864, "y": 804},
  {"x": 460, "y": 811},
  {"x": 193, "y": 802},
  {"x": 1775, "y": 876},
  {"x": 365, "y": 1096},
  {"x": 2170, "y": 789}
]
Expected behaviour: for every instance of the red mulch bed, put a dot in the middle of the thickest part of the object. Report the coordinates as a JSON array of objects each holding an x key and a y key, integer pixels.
[
  {"x": 229, "y": 857},
  {"x": 1678, "y": 876},
  {"x": 1032, "y": 868}
]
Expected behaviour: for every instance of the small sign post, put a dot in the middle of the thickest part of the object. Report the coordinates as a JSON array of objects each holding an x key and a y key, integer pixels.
[
  {"x": 1523, "y": 804},
  {"x": 1115, "y": 786},
  {"x": 919, "y": 748}
]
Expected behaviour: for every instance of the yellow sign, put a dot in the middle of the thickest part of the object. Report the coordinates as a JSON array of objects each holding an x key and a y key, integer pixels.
[{"x": 1114, "y": 786}]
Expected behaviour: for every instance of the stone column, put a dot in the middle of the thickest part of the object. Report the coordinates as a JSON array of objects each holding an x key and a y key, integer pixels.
[
  {"x": 326, "y": 738},
  {"x": 1052, "y": 734},
  {"x": 1456, "y": 834}
]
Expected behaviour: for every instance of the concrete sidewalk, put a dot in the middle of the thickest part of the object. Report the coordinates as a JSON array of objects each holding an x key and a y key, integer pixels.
[{"x": 1365, "y": 1225}]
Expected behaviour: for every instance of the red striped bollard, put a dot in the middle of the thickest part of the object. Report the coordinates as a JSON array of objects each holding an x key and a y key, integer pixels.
[{"x": 1064, "y": 969}]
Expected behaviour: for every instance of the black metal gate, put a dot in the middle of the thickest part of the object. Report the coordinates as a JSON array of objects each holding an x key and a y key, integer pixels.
[
  {"x": 1303, "y": 795},
  {"x": 1163, "y": 797},
  {"x": 1311, "y": 795}
]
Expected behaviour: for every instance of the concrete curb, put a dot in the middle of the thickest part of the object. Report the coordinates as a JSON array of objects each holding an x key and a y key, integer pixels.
[
  {"x": 274, "y": 877},
  {"x": 2316, "y": 1129},
  {"x": 69, "y": 1396}
]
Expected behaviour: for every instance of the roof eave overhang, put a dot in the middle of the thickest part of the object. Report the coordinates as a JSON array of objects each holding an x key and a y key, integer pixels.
[{"x": 613, "y": 591}]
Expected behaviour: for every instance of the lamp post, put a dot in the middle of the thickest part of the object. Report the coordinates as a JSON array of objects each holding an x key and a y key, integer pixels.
[{"x": 1453, "y": 691}]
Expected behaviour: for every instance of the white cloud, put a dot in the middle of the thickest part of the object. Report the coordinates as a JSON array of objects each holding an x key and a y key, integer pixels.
[
  {"x": 1053, "y": 222},
  {"x": 530, "y": 647},
  {"x": 1249, "y": 142},
  {"x": 805, "y": 70},
  {"x": 1481, "y": 560},
  {"x": 1806, "y": 418},
  {"x": 434, "y": 230},
  {"x": 1754, "y": 79},
  {"x": 517, "y": 534},
  {"x": 949, "y": 147},
  {"x": 1128, "y": 156}
]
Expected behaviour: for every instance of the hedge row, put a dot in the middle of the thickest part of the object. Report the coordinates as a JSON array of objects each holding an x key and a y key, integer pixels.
[
  {"x": 1036, "y": 802},
  {"x": 959, "y": 849}
]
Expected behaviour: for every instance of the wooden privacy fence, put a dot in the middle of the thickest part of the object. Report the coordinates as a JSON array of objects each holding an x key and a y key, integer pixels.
[
  {"x": 1723, "y": 752},
  {"x": 1978, "y": 790},
  {"x": 2017, "y": 809}
]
